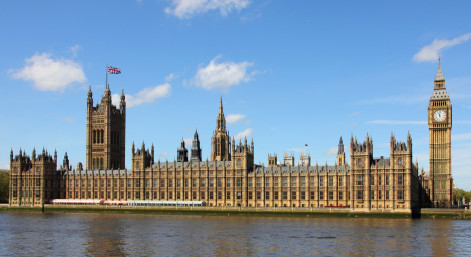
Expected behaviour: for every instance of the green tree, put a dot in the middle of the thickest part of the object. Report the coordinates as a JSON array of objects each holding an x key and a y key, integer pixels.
[
  {"x": 459, "y": 194},
  {"x": 4, "y": 187}
]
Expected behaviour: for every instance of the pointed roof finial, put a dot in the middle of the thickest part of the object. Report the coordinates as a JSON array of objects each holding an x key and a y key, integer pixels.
[
  {"x": 220, "y": 106},
  {"x": 439, "y": 76}
]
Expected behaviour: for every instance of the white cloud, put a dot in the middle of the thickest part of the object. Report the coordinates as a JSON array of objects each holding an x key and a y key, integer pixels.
[
  {"x": 222, "y": 75},
  {"x": 353, "y": 114},
  {"x": 244, "y": 134},
  {"x": 146, "y": 95},
  {"x": 429, "y": 53},
  {"x": 235, "y": 118},
  {"x": 74, "y": 49},
  {"x": 68, "y": 120},
  {"x": 164, "y": 154},
  {"x": 460, "y": 137},
  {"x": 397, "y": 99},
  {"x": 396, "y": 122},
  {"x": 49, "y": 74},
  {"x": 331, "y": 151},
  {"x": 185, "y": 9}
]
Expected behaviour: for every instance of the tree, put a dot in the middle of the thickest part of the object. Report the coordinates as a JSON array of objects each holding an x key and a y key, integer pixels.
[
  {"x": 459, "y": 194},
  {"x": 4, "y": 186}
]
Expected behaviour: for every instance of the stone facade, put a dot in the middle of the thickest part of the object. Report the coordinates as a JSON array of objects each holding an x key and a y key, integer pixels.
[
  {"x": 439, "y": 123},
  {"x": 230, "y": 177}
]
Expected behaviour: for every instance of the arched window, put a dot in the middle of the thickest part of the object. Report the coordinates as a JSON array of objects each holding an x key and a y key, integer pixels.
[
  {"x": 102, "y": 135},
  {"x": 101, "y": 163},
  {"x": 137, "y": 165},
  {"x": 94, "y": 136}
]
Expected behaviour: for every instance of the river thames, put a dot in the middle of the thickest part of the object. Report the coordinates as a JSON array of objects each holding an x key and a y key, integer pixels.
[{"x": 78, "y": 234}]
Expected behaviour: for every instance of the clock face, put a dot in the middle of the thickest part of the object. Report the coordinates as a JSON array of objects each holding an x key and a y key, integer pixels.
[{"x": 439, "y": 115}]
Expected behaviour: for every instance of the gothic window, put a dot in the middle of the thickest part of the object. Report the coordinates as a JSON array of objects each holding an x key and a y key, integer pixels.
[
  {"x": 239, "y": 163},
  {"x": 359, "y": 194},
  {"x": 340, "y": 181},
  {"x": 400, "y": 179},
  {"x": 321, "y": 182},
  {"x": 359, "y": 180},
  {"x": 137, "y": 165},
  {"x": 400, "y": 194},
  {"x": 94, "y": 136},
  {"x": 267, "y": 182},
  {"x": 359, "y": 163},
  {"x": 293, "y": 182},
  {"x": 331, "y": 181}
]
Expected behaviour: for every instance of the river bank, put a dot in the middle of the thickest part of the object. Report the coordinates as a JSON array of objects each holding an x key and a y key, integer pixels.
[{"x": 247, "y": 211}]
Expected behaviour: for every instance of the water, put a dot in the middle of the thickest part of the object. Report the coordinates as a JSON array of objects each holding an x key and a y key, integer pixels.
[{"x": 59, "y": 234}]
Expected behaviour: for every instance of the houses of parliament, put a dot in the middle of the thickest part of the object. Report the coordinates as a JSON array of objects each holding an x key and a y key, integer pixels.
[{"x": 231, "y": 178}]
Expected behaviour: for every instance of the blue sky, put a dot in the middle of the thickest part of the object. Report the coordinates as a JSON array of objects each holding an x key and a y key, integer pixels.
[{"x": 290, "y": 73}]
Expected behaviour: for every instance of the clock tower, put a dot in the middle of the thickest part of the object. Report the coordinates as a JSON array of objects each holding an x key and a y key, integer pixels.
[{"x": 439, "y": 124}]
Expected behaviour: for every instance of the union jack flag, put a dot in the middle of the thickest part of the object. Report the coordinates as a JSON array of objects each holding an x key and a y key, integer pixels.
[{"x": 114, "y": 70}]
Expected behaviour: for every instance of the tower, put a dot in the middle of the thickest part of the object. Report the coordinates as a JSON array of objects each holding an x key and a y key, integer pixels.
[
  {"x": 196, "y": 149},
  {"x": 220, "y": 142},
  {"x": 341, "y": 153},
  {"x": 106, "y": 127},
  {"x": 182, "y": 153},
  {"x": 439, "y": 124}
]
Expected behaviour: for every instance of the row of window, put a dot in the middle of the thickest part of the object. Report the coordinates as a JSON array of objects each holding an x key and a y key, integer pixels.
[{"x": 285, "y": 195}]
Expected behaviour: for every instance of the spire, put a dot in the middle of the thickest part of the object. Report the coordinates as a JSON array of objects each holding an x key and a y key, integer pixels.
[
  {"x": 341, "y": 148},
  {"x": 220, "y": 106},
  {"x": 439, "y": 76}
]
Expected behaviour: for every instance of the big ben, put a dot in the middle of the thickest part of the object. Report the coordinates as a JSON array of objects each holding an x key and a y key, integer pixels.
[{"x": 439, "y": 123}]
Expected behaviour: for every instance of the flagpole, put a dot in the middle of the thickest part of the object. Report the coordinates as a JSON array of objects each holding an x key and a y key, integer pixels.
[{"x": 106, "y": 85}]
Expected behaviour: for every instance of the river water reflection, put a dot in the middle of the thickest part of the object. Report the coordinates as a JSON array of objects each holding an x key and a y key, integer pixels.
[{"x": 27, "y": 234}]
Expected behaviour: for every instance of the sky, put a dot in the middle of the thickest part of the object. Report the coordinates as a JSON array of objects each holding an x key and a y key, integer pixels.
[{"x": 290, "y": 73}]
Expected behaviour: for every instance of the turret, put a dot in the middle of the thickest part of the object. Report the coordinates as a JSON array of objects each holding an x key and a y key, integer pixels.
[
  {"x": 196, "y": 149},
  {"x": 182, "y": 152}
]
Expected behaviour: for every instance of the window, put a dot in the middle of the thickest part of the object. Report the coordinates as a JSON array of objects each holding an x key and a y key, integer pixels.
[
  {"x": 211, "y": 195},
  {"x": 331, "y": 181},
  {"x": 380, "y": 180},
  {"x": 285, "y": 195},
  {"x": 138, "y": 183},
  {"x": 400, "y": 194},
  {"x": 372, "y": 180},
  {"x": 147, "y": 183},
  {"x": 275, "y": 182},
  {"x": 267, "y": 195},
  {"x": 267, "y": 182},
  {"x": 303, "y": 195},
  {"x": 312, "y": 195},
  {"x": 228, "y": 182},
  {"x": 194, "y": 195},
  {"x": 162, "y": 182},
  {"x": 186, "y": 195},
  {"x": 311, "y": 182},
  {"x": 285, "y": 182},
  {"x": 249, "y": 182},
  {"x": 293, "y": 195},
  {"x": 387, "y": 180},
  {"x": 219, "y": 182},
  {"x": 303, "y": 182},
  {"x": 293, "y": 182},
  {"x": 400, "y": 180},
  {"x": 228, "y": 195},
  {"x": 259, "y": 182},
  {"x": 359, "y": 180},
  {"x": 250, "y": 195},
  {"x": 275, "y": 195},
  {"x": 138, "y": 195},
  {"x": 239, "y": 195},
  {"x": 170, "y": 182},
  {"x": 239, "y": 182},
  {"x": 203, "y": 182},
  {"x": 137, "y": 165},
  {"x": 179, "y": 183},
  {"x": 359, "y": 194},
  {"x": 340, "y": 181},
  {"x": 259, "y": 195},
  {"x": 340, "y": 195},
  {"x": 386, "y": 194},
  {"x": 211, "y": 182},
  {"x": 203, "y": 196},
  {"x": 219, "y": 195},
  {"x": 372, "y": 196},
  {"x": 321, "y": 181},
  {"x": 321, "y": 195},
  {"x": 186, "y": 183}
]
